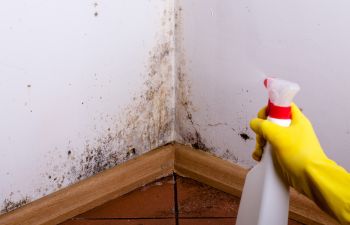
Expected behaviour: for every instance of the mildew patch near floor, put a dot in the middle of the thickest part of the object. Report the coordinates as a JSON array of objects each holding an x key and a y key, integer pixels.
[
  {"x": 148, "y": 120},
  {"x": 144, "y": 124},
  {"x": 189, "y": 128},
  {"x": 10, "y": 205}
]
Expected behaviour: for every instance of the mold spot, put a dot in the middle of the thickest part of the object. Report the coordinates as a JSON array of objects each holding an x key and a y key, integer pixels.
[
  {"x": 217, "y": 124},
  {"x": 96, "y": 14},
  {"x": 230, "y": 156},
  {"x": 197, "y": 142},
  {"x": 9, "y": 205},
  {"x": 244, "y": 136},
  {"x": 130, "y": 152},
  {"x": 189, "y": 116},
  {"x": 144, "y": 124},
  {"x": 187, "y": 128},
  {"x": 29, "y": 85}
]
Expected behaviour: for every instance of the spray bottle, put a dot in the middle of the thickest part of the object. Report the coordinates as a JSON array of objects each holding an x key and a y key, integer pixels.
[{"x": 265, "y": 197}]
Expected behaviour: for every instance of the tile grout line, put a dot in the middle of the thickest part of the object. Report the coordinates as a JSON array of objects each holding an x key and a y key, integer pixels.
[
  {"x": 176, "y": 205},
  {"x": 131, "y": 218}
]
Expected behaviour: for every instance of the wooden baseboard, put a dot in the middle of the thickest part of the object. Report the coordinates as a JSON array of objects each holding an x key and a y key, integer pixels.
[
  {"x": 208, "y": 169},
  {"x": 94, "y": 191},
  {"x": 228, "y": 177},
  {"x": 112, "y": 183}
]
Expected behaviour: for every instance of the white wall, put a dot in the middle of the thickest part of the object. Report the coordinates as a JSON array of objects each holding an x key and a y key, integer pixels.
[
  {"x": 85, "y": 85},
  {"x": 231, "y": 45}
]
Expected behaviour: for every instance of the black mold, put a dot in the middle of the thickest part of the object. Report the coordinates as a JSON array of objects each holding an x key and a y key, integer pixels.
[
  {"x": 148, "y": 114},
  {"x": 96, "y": 159},
  {"x": 189, "y": 132},
  {"x": 189, "y": 117},
  {"x": 197, "y": 142},
  {"x": 146, "y": 122},
  {"x": 188, "y": 129},
  {"x": 230, "y": 156},
  {"x": 9, "y": 205},
  {"x": 244, "y": 136},
  {"x": 217, "y": 124},
  {"x": 130, "y": 152}
]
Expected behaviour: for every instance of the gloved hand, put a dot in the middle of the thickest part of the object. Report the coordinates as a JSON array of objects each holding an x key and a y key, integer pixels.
[{"x": 300, "y": 159}]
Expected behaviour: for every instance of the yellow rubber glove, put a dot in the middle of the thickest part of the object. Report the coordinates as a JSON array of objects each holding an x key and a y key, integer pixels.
[{"x": 300, "y": 159}]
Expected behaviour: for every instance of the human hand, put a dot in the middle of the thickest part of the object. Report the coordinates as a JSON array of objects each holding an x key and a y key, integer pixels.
[{"x": 294, "y": 147}]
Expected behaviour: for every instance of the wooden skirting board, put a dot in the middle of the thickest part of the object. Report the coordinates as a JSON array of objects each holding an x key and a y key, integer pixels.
[
  {"x": 228, "y": 177},
  {"x": 110, "y": 184}
]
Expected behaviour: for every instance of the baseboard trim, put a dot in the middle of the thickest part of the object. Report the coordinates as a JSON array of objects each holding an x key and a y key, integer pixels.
[
  {"x": 94, "y": 191},
  {"x": 110, "y": 184},
  {"x": 228, "y": 177}
]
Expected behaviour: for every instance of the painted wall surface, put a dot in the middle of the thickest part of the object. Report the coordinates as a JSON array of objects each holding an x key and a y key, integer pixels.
[
  {"x": 85, "y": 85},
  {"x": 231, "y": 45}
]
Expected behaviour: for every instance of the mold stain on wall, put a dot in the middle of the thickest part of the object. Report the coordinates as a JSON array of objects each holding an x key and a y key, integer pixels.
[
  {"x": 188, "y": 130},
  {"x": 10, "y": 205},
  {"x": 146, "y": 123}
]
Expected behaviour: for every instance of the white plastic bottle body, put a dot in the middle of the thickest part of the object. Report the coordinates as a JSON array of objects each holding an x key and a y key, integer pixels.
[{"x": 265, "y": 197}]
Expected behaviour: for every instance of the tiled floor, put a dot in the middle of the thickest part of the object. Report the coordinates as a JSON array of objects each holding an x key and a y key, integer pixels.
[{"x": 173, "y": 200}]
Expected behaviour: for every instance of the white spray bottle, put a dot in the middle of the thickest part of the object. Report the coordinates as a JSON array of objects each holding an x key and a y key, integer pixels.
[{"x": 265, "y": 197}]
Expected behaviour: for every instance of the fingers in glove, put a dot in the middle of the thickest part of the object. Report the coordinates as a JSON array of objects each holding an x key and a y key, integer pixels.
[
  {"x": 265, "y": 129},
  {"x": 262, "y": 113}
]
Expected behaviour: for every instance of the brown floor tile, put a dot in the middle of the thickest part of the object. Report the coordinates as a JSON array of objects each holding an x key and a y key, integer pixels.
[
  {"x": 199, "y": 200},
  {"x": 219, "y": 221},
  {"x": 155, "y": 200},
  {"x": 293, "y": 222},
  {"x": 208, "y": 221},
  {"x": 121, "y": 222},
  {"x": 198, "y": 204}
]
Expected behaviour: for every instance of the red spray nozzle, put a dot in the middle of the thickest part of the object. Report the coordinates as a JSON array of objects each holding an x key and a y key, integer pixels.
[
  {"x": 281, "y": 94},
  {"x": 265, "y": 82}
]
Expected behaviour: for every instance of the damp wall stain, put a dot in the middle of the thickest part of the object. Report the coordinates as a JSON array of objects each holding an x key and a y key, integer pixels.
[
  {"x": 190, "y": 130},
  {"x": 160, "y": 112},
  {"x": 9, "y": 205},
  {"x": 146, "y": 123},
  {"x": 244, "y": 136},
  {"x": 186, "y": 129}
]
